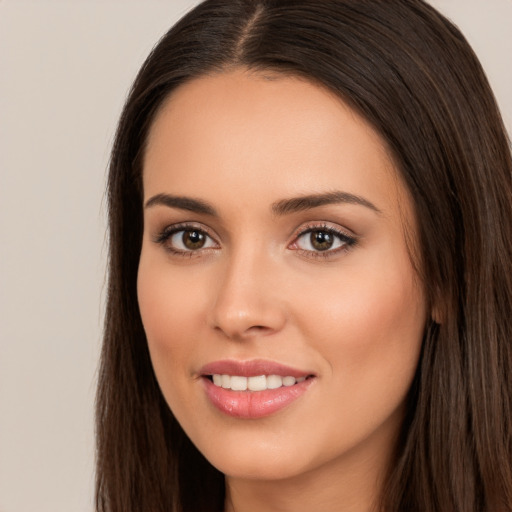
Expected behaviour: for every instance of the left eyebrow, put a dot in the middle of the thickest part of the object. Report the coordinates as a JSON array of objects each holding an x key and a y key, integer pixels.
[{"x": 298, "y": 204}]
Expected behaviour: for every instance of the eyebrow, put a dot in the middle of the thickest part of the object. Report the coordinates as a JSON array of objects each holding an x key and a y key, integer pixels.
[
  {"x": 182, "y": 203},
  {"x": 298, "y": 204},
  {"x": 280, "y": 208}
]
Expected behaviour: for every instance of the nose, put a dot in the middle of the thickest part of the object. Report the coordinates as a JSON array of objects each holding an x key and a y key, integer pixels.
[{"x": 247, "y": 301}]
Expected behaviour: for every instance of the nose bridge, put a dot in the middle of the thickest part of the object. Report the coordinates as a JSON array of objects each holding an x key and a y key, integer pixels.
[{"x": 245, "y": 302}]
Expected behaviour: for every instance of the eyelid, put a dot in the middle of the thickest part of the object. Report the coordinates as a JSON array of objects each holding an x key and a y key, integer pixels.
[
  {"x": 165, "y": 234},
  {"x": 343, "y": 234}
]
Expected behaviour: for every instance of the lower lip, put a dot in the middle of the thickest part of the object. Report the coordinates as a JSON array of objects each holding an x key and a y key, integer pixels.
[{"x": 254, "y": 404}]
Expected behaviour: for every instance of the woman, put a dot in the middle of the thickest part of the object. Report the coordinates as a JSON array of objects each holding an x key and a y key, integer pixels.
[{"x": 309, "y": 284}]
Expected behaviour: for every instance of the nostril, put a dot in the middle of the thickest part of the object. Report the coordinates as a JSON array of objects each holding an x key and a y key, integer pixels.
[
  {"x": 258, "y": 329},
  {"x": 240, "y": 320}
]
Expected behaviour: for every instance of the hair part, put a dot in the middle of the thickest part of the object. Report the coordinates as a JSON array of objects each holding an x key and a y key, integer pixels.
[{"x": 410, "y": 73}]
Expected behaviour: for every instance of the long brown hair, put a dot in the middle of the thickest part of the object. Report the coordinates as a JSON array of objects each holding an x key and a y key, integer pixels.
[{"x": 413, "y": 76}]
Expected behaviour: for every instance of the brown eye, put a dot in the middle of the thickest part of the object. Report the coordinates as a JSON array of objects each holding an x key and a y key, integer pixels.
[
  {"x": 317, "y": 240},
  {"x": 193, "y": 239},
  {"x": 188, "y": 240},
  {"x": 321, "y": 240}
]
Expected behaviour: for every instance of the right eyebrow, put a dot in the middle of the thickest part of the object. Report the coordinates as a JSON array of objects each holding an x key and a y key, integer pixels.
[{"x": 182, "y": 203}]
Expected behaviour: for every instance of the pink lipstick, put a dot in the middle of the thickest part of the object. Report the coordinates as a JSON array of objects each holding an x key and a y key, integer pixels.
[{"x": 253, "y": 389}]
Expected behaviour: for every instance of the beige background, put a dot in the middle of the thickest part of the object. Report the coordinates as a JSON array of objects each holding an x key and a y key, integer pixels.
[{"x": 65, "y": 67}]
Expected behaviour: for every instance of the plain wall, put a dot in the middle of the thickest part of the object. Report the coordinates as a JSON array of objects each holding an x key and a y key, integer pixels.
[{"x": 65, "y": 68}]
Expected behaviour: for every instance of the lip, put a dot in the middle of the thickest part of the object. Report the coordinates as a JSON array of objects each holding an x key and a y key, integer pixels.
[
  {"x": 253, "y": 404},
  {"x": 252, "y": 368}
]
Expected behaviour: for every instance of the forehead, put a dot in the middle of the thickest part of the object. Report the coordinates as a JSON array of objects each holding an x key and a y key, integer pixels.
[{"x": 243, "y": 129}]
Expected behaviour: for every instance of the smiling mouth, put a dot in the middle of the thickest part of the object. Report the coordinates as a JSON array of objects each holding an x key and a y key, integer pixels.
[
  {"x": 254, "y": 396},
  {"x": 254, "y": 383},
  {"x": 255, "y": 388}
]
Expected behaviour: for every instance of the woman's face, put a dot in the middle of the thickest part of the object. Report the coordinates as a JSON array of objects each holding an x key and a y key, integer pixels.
[{"x": 274, "y": 258}]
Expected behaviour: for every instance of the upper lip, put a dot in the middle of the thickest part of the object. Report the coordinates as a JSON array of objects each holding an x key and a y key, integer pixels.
[{"x": 252, "y": 368}]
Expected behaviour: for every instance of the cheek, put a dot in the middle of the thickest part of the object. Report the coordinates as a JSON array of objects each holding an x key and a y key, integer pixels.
[
  {"x": 170, "y": 314},
  {"x": 169, "y": 298},
  {"x": 383, "y": 316},
  {"x": 162, "y": 302},
  {"x": 369, "y": 328}
]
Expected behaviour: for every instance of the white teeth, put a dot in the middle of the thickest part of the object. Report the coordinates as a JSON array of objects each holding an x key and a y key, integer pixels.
[
  {"x": 274, "y": 381},
  {"x": 239, "y": 383},
  {"x": 226, "y": 382},
  {"x": 288, "y": 381},
  {"x": 258, "y": 383}
]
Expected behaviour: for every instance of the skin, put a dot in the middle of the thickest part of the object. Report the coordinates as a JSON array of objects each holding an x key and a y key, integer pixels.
[{"x": 354, "y": 316}]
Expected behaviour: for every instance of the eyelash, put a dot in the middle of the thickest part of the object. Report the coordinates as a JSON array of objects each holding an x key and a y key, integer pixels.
[
  {"x": 347, "y": 241},
  {"x": 167, "y": 233}
]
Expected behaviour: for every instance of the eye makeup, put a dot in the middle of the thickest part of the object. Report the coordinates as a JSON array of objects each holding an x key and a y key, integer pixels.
[
  {"x": 314, "y": 240},
  {"x": 322, "y": 240},
  {"x": 186, "y": 239}
]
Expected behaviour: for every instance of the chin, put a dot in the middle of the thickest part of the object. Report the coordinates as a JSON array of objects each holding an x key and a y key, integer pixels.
[
  {"x": 263, "y": 467},
  {"x": 270, "y": 457}
]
